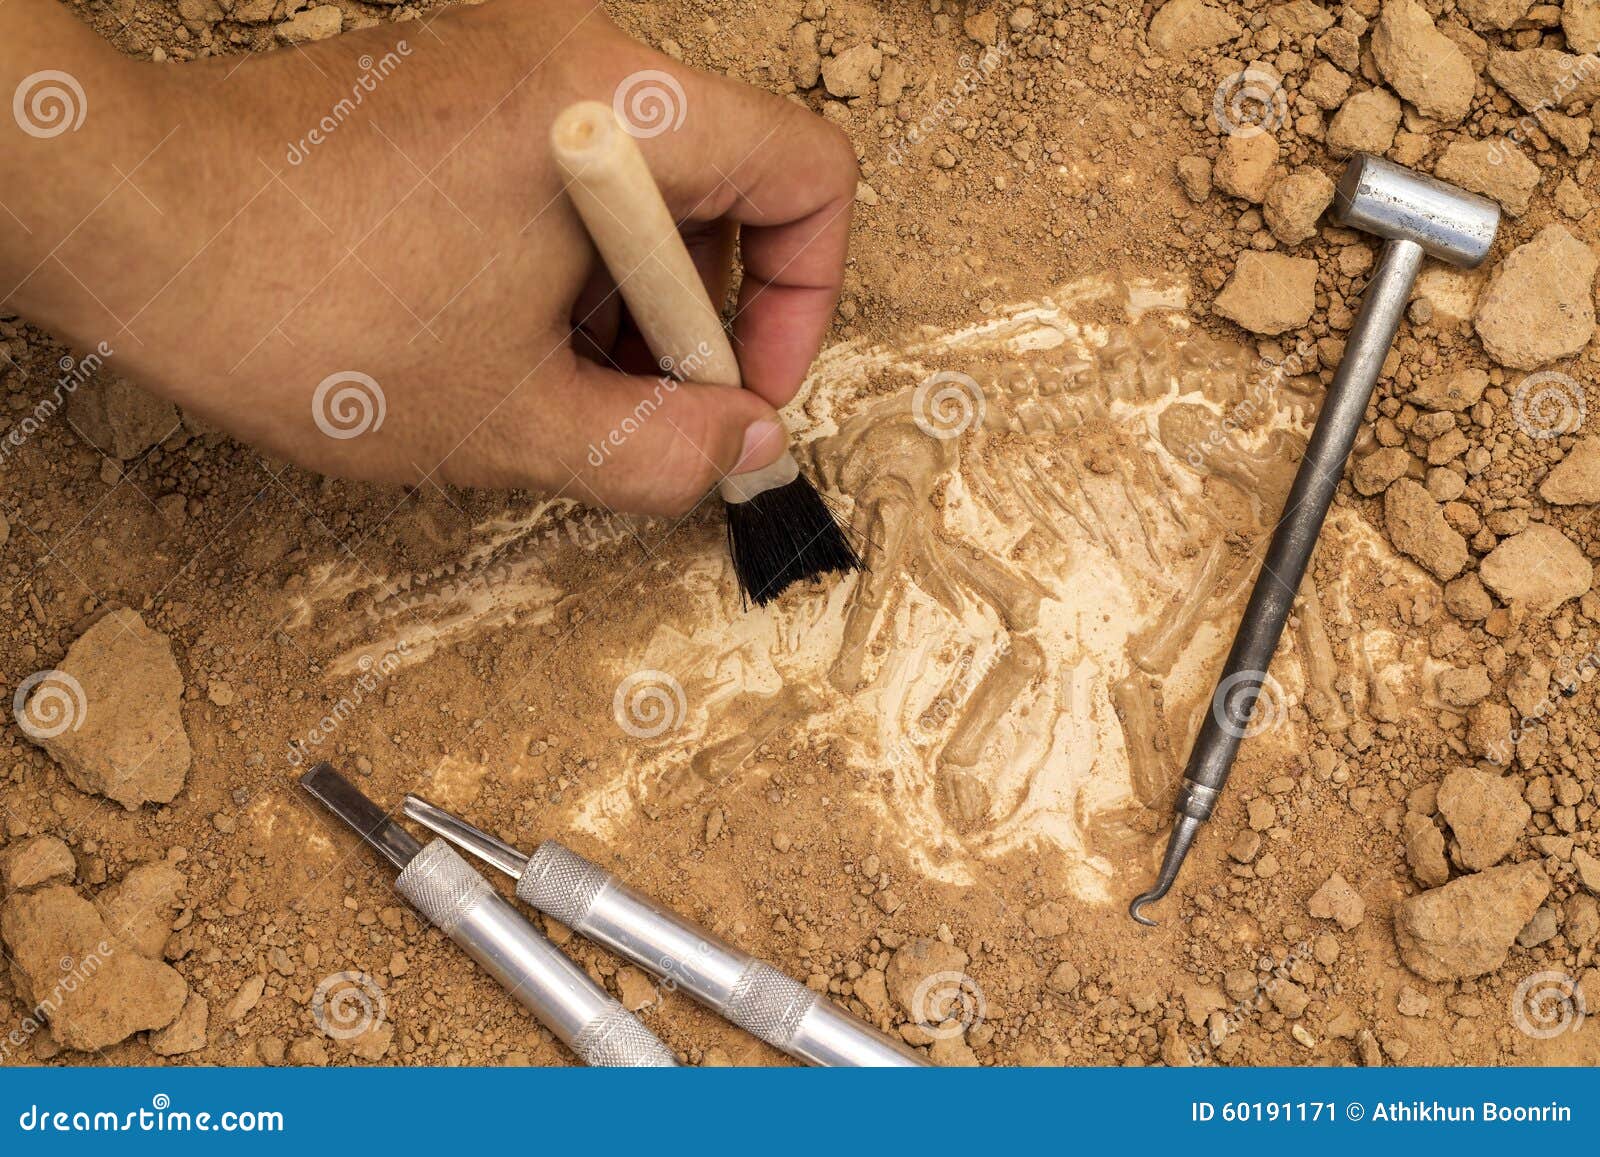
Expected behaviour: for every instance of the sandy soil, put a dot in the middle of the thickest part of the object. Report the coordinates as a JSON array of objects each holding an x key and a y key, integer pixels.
[{"x": 1063, "y": 418}]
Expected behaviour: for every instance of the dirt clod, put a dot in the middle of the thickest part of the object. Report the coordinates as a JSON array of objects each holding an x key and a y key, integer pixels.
[
  {"x": 126, "y": 738},
  {"x": 1466, "y": 927}
]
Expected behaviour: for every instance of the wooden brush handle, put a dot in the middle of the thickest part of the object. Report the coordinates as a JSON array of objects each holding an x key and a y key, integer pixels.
[{"x": 611, "y": 187}]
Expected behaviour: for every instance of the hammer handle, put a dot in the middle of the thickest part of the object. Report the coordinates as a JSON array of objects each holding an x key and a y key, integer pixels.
[{"x": 1245, "y": 672}]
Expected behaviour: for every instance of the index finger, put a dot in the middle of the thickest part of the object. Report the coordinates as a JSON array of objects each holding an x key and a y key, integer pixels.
[{"x": 788, "y": 178}]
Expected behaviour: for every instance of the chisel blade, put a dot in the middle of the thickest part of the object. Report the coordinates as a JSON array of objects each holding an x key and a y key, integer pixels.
[
  {"x": 466, "y": 837},
  {"x": 367, "y": 819}
]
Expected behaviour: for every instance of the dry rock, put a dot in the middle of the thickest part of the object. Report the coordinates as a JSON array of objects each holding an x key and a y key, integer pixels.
[
  {"x": 873, "y": 992},
  {"x": 915, "y": 962},
  {"x": 1539, "y": 305},
  {"x": 1365, "y": 123},
  {"x": 1294, "y": 205},
  {"x": 1289, "y": 998},
  {"x": 245, "y": 999},
  {"x": 1300, "y": 18},
  {"x": 1337, "y": 900},
  {"x": 952, "y": 1052},
  {"x": 1540, "y": 79},
  {"x": 139, "y": 907},
  {"x": 1412, "y": 1002},
  {"x": 1588, "y": 868},
  {"x": 373, "y": 1045},
  {"x": 1064, "y": 979},
  {"x": 1529, "y": 688},
  {"x": 1580, "y": 20},
  {"x": 1246, "y": 165},
  {"x": 1051, "y": 918},
  {"x": 125, "y": 738},
  {"x": 1576, "y": 478},
  {"x": 1464, "y": 686},
  {"x": 1326, "y": 87},
  {"x": 312, "y": 24},
  {"x": 1465, "y": 928},
  {"x": 1185, "y": 27},
  {"x": 1416, "y": 526},
  {"x": 308, "y": 1051},
  {"x": 1498, "y": 169},
  {"x": 1373, "y": 472},
  {"x": 805, "y": 61},
  {"x": 1489, "y": 730},
  {"x": 850, "y": 73},
  {"x": 1269, "y": 292},
  {"x": 635, "y": 990},
  {"x": 1580, "y": 919},
  {"x": 36, "y": 861},
  {"x": 187, "y": 1034},
  {"x": 1425, "y": 850},
  {"x": 1467, "y": 599},
  {"x": 1456, "y": 390},
  {"x": 1494, "y": 15},
  {"x": 1194, "y": 173},
  {"x": 1486, "y": 814},
  {"x": 120, "y": 420},
  {"x": 1540, "y": 567},
  {"x": 1420, "y": 63},
  {"x": 94, "y": 989},
  {"x": 983, "y": 26}
]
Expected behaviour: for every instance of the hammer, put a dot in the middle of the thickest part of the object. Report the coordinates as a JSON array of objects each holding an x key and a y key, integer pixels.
[{"x": 1418, "y": 217}]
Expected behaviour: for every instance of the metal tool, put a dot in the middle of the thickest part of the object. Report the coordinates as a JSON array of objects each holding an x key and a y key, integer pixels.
[
  {"x": 454, "y": 898},
  {"x": 753, "y": 995},
  {"x": 1419, "y": 217}
]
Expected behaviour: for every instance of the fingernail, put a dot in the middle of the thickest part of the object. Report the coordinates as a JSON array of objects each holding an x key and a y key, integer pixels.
[{"x": 762, "y": 442}]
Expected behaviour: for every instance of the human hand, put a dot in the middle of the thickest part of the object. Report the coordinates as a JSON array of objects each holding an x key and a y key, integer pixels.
[{"x": 417, "y": 248}]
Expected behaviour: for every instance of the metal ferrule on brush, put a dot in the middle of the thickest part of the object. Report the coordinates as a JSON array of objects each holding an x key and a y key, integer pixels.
[{"x": 750, "y": 993}]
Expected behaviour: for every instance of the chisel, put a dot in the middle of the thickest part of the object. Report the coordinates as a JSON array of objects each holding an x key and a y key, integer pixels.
[
  {"x": 454, "y": 898},
  {"x": 766, "y": 1003}
]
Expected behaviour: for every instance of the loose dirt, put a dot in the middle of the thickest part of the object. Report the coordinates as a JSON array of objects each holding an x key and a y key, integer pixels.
[{"x": 1092, "y": 307}]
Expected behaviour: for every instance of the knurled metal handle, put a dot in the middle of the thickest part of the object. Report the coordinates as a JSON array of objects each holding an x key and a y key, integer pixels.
[
  {"x": 562, "y": 884},
  {"x": 769, "y": 1005},
  {"x": 615, "y": 1039},
  {"x": 451, "y": 895},
  {"x": 442, "y": 886}
]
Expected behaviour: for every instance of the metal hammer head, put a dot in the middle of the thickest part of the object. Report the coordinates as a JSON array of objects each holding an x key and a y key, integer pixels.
[{"x": 1378, "y": 196}]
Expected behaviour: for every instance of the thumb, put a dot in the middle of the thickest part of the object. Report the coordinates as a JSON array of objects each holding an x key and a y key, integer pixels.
[{"x": 658, "y": 445}]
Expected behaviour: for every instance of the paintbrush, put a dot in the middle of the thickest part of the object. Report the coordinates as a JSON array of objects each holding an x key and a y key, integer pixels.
[{"x": 780, "y": 529}]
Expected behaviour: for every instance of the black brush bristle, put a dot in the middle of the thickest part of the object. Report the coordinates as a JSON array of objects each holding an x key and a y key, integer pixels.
[{"x": 785, "y": 535}]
